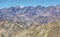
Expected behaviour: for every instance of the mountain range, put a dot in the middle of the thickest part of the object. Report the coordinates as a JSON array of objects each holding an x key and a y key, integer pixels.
[
  {"x": 30, "y": 21},
  {"x": 38, "y": 14}
]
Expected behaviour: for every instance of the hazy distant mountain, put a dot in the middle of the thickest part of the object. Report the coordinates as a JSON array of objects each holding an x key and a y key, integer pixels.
[{"x": 37, "y": 14}]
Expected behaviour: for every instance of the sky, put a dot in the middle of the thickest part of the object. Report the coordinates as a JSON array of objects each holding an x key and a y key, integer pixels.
[{"x": 10, "y": 3}]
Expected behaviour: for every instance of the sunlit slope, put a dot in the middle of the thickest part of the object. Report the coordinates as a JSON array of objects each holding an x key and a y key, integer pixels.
[{"x": 11, "y": 29}]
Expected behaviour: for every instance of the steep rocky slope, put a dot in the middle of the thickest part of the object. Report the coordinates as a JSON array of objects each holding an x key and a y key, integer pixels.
[{"x": 11, "y": 29}]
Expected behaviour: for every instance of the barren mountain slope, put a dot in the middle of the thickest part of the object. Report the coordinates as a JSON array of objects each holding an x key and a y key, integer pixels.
[{"x": 11, "y": 29}]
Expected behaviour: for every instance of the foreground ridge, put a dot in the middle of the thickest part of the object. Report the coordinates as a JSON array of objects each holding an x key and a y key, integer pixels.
[{"x": 11, "y": 29}]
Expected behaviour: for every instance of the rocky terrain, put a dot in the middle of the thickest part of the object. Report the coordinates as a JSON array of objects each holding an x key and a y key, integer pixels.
[
  {"x": 11, "y": 29},
  {"x": 30, "y": 21}
]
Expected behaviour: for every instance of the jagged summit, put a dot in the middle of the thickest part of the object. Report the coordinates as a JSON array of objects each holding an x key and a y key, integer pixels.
[{"x": 38, "y": 14}]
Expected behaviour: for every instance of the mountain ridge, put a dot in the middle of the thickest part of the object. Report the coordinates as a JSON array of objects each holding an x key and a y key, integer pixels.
[{"x": 39, "y": 14}]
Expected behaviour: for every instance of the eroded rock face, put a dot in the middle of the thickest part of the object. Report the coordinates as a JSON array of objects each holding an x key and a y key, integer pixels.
[{"x": 11, "y": 29}]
